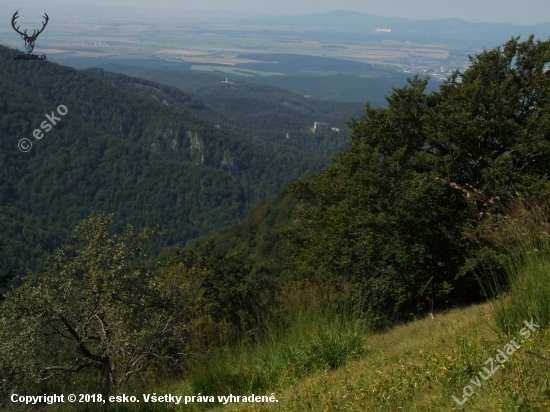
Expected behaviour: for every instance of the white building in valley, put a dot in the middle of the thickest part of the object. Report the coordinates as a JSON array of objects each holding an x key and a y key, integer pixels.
[{"x": 320, "y": 127}]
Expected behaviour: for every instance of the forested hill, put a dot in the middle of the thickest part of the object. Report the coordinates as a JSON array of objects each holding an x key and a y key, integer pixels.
[
  {"x": 248, "y": 109},
  {"x": 147, "y": 161}
]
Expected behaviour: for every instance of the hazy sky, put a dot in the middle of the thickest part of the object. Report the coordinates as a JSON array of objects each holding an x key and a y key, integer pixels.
[{"x": 502, "y": 11}]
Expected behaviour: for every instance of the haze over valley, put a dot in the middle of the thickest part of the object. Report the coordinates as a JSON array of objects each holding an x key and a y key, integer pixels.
[{"x": 338, "y": 55}]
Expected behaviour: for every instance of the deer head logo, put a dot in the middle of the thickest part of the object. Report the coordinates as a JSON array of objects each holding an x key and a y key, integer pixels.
[{"x": 29, "y": 40}]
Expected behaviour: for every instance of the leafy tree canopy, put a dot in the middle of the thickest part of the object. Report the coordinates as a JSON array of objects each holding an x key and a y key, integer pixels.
[
  {"x": 98, "y": 306},
  {"x": 391, "y": 211}
]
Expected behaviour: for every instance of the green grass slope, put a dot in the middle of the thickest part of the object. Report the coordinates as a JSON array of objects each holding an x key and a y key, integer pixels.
[
  {"x": 327, "y": 363},
  {"x": 420, "y": 366}
]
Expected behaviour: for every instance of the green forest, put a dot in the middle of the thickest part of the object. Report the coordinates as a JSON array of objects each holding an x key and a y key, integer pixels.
[
  {"x": 450, "y": 185},
  {"x": 149, "y": 153},
  {"x": 248, "y": 109}
]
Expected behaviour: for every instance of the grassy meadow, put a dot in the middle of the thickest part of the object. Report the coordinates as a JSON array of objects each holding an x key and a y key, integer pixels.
[{"x": 316, "y": 355}]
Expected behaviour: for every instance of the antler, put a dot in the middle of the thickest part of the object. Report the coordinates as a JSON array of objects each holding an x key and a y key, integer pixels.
[
  {"x": 35, "y": 33},
  {"x": 43, "y": 24},
  {"x": 15, "y": 16},
  {"x": 34, "y": 36}
]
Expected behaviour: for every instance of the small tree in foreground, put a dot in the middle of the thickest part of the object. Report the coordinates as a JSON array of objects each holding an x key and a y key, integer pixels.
[{"x": 97, "y": 307}]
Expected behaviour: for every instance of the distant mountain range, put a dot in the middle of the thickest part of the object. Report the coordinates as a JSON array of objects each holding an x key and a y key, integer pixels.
[{"x": 448, "y": 31}]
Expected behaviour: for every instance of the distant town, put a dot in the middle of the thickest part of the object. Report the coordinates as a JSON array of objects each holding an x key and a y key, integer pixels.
[{"x": 438, "y": 73}]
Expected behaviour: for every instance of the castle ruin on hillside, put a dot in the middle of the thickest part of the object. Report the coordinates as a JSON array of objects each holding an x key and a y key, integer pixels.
[{"x": 323, "y": 127}]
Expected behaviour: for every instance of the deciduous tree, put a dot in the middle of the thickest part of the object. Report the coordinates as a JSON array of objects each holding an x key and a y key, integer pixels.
[{"x": 98, "y": 307}]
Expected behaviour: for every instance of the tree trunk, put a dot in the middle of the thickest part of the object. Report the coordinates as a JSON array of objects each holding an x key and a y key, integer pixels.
[{"x": 106, "y": 378}]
